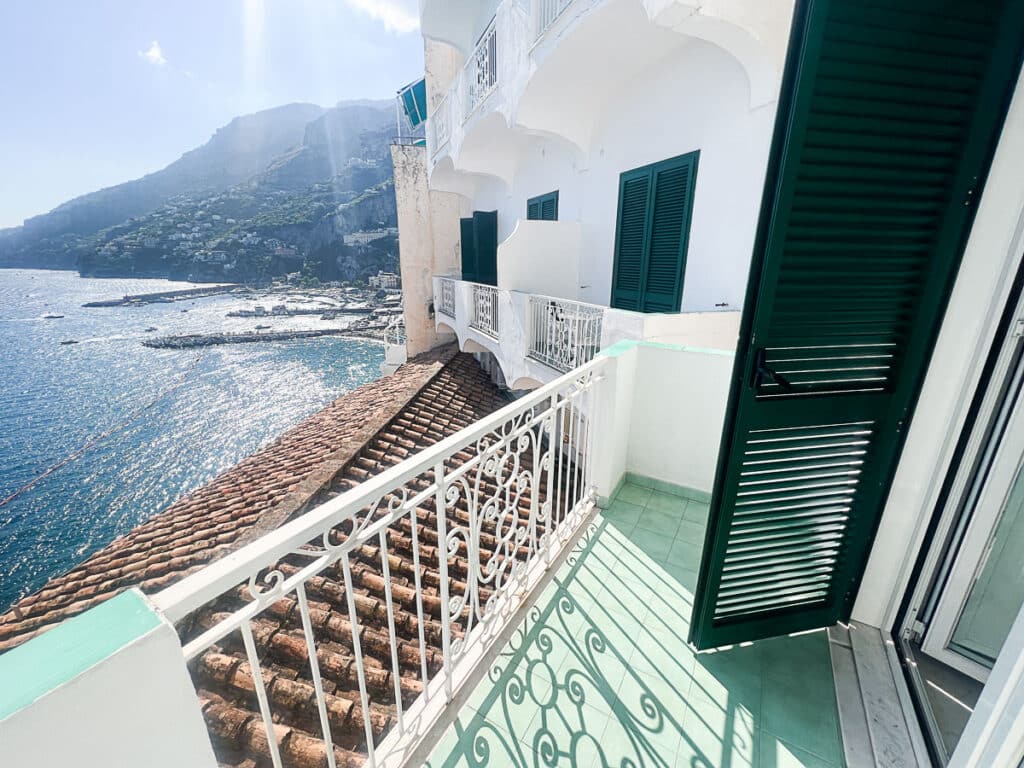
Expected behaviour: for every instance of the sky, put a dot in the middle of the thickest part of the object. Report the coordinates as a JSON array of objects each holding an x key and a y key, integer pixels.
[{"x": 96, "y": 92}]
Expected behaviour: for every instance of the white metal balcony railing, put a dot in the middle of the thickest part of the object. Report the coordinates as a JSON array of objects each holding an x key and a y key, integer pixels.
[
  {"x": 545, "y": 13},
  {"x": 485, "y": 309},
  {"x": 447, "y": 304},
  {"x": 563, "y": 334},
  {"x": 482, "y": 68},
  {"x": 394, "y": 332},
  {"x": 499, "y": 518},
  {"x": 440, "y": 126}
]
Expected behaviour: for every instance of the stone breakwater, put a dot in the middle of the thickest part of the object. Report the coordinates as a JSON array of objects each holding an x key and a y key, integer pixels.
[
  {"x": 189, "y": 340},
  {"x": 164, "y": 296}
]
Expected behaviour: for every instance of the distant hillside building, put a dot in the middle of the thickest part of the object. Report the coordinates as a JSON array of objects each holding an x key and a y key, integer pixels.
[{"x": 384, "y": 280}]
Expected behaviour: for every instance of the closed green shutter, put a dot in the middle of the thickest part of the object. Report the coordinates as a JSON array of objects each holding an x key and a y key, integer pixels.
[
  {"x": 469, "y": 260},
  {"x": 888, "y": 115},
  {"x": 631, "y": 238},
  {"x": 655, "y": 207},
  {"x": 543, "y": 207},
  {"x": 485, "y": 225}
]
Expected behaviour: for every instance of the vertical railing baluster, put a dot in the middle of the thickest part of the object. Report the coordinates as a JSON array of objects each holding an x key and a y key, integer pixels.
[
  {"x": 442, "y": 555},
  {"x": 392, "y": 636},
  {"x": 314, "y": 669},
  {"x": 357, "y": 653},
  {"x": 549, "y": 523},
  {"x": 419, "y": 596},
  {"x": 261, "y": 692}
]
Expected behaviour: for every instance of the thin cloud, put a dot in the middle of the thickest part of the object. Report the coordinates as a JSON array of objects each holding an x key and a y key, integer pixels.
[
  {"x": 399, "y": 16},
  {"x": 154, "y": 55}
]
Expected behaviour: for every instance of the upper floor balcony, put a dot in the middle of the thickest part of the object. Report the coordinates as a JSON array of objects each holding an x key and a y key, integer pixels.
[{"x": 550, "y": 68}]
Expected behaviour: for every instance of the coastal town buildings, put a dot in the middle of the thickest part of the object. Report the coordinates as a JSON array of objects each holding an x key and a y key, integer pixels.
[{"x": 706, "y": 451}]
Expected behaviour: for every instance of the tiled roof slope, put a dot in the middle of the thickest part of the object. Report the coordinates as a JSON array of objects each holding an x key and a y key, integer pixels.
[
  {"x": 254, "y": 496},
  {"x": 459, "y": 395}
]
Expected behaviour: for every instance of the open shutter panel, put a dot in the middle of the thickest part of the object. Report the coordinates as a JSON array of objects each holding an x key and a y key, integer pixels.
[
  {"x": 670, "y": 225},
  {"x": 631, "y": 238},
  {"x": 888, "y": 116},
  {"x": 469, "y": 261},
  {"x": 485, "y": 224}
]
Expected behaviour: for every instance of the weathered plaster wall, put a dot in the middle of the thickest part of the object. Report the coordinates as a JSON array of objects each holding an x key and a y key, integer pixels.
[{"x": 428, "y": 244}]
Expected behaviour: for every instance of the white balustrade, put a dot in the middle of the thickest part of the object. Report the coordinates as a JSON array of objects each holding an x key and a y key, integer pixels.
[
  {"x": 447, "y": 303},
  {"x": 485, "y": 309},
  {"x": 563, "y": 334},
  {"x": 498, "y": 517},
  {"x": 482, "y": 68},
  {"x": 545, "y": 13}
]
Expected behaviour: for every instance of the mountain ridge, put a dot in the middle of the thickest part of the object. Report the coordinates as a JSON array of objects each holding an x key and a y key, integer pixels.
[{"x": 276, "y": 175}]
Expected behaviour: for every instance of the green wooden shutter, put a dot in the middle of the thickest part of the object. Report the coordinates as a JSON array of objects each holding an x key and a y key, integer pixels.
[
  {"x": 543, "y": 207},
  {"x": 670, "y": 230},
  {"x": 888, "y": 116},
  {"x": 485, "y": 226},
  {"x": 469, "y": 260},
  {"x": 655, "y": 207},
  {"x": 549, "y": 207},
  {"x": 631, "y": 237}
]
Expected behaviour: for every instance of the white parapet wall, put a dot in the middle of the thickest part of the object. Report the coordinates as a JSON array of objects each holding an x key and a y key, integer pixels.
[
  {"x": 106, "y": 689},
  {"x": 663, "y": 415},
  {"x": 541, "y": 257}
]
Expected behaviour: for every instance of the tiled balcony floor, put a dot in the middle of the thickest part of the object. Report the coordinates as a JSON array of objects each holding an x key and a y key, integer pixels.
[{"x": 600, "y": 674}]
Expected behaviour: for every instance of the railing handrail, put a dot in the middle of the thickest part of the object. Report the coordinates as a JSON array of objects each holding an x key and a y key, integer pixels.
[
  {"x": 196, "y": 590},
  {"x": 558, "y": 299}
]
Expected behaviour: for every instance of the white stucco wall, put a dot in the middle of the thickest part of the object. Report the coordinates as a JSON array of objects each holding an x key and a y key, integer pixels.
[
  {"x": 661, "y": 416},
  {"x": 694, "y": 99},
  {"x": 678, "y": 408},
  {"x": 541, "y": 257}
]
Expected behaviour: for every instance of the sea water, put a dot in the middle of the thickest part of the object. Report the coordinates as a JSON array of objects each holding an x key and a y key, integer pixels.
[{"x": 173, "y": 419}]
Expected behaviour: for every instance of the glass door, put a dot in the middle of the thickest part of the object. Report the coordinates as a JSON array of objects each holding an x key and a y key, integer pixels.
[{"x": 985, "y": 588}]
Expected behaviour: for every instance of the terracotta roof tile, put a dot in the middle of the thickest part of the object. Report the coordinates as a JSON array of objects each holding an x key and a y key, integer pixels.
[{"x": 454, "y": 394}]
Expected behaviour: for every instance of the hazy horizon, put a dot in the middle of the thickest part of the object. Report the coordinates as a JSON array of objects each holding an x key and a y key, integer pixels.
[{"x": 109, "y": 91}]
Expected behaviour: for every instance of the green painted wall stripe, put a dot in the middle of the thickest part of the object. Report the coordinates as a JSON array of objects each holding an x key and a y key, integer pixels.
[
  {"x": 621, "y": 347},
  {"x": 44, "y": 663}
]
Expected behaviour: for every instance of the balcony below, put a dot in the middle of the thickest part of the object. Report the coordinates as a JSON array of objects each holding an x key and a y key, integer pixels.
[
  {"x": 599, "y": 672},
  {"x": 535, "y": 338}
]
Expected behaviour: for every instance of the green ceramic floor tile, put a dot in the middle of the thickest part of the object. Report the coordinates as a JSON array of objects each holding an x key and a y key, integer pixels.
[
  {"x": 716, "y": 735},
  {"x": 664, "y": 522},
  {"x": 634, "y": 494},
  {"x": 697, "y": 511},
  {"x": 654, "y": 545},
  {"x": 666, "y": 502}
]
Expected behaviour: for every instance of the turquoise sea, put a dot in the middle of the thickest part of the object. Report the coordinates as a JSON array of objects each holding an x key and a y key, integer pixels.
[{"x": 175, "y": 418}]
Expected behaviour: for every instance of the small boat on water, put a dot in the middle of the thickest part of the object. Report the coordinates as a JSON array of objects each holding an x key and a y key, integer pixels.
[
  {"x": 52, "y": 316},
  {"x": 262, "y": 327},
  {"x": 151, "y": 329},
  {"x": 69, "y": 341}
]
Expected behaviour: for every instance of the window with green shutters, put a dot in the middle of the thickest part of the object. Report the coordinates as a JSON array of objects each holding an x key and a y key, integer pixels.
[
  {"x": 543, "y": 207},
  {"x": 653, "y": 230}
]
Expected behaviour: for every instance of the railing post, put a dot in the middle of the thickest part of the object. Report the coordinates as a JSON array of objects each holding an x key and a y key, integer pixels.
[{"x": 440, "y": 506}]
